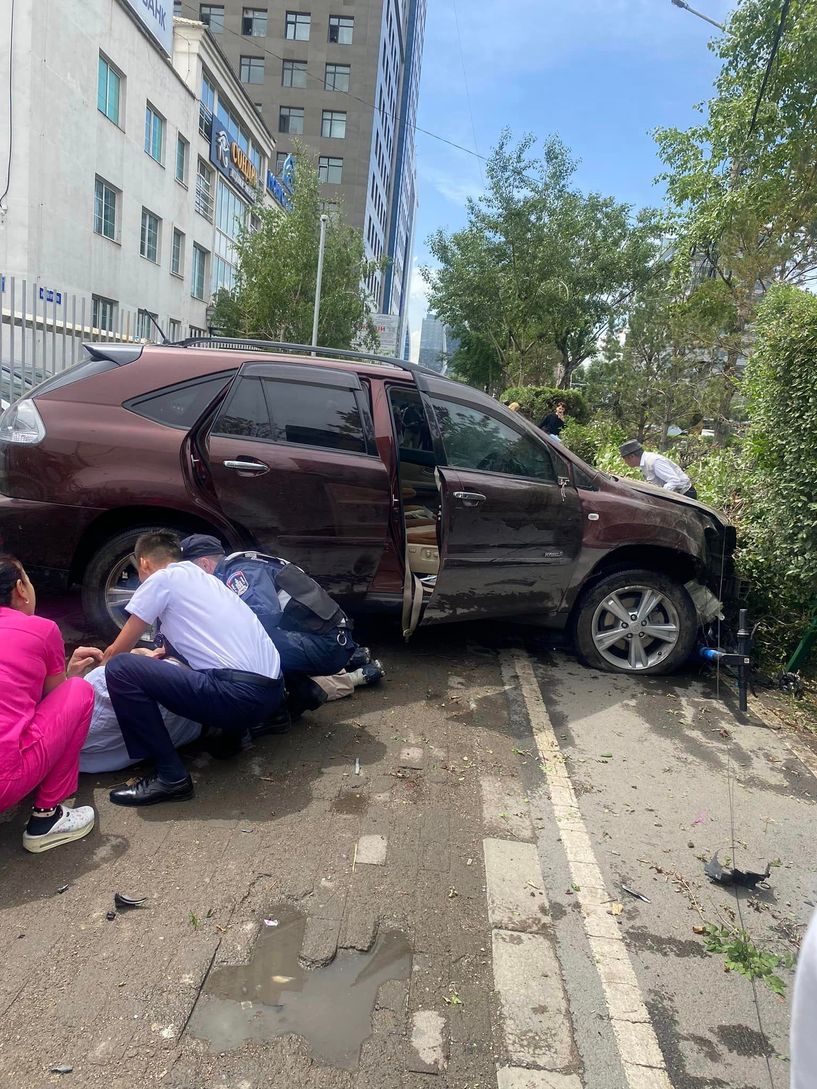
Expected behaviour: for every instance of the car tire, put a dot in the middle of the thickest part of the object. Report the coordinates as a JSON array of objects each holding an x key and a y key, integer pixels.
[
  {"x": 103, "y": 573},
  {"x": 642, "y": 606}
]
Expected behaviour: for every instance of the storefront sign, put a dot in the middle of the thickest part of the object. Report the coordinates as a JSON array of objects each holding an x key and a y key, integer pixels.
[
  {"x": 157, "y": 18},
  {"x": 231, "y": 161},
  {"x": 47, "y": 294},
  {"x": 387, "y": 326},
  {"x": 278, "y": 191}
]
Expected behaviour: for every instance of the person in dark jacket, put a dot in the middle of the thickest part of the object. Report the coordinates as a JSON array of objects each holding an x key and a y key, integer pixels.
[
  {"x": 554, "y": 422},
  {"x": 310, "y": 631}
]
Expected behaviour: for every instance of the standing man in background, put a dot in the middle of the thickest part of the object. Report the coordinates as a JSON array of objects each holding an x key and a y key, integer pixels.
[{"x": 657, "y": 469}]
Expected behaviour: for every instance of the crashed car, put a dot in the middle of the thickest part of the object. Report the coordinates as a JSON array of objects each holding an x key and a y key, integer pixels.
[{"x": 399, "y": 490}]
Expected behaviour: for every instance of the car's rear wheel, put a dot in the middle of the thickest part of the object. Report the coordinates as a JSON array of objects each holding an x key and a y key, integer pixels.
[
  {"x": 111, "y": 579},
  {"x": 636, "y": 621}
]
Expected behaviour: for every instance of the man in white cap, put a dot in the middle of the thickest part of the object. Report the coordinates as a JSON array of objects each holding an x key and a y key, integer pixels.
[{"x": 657, "y": 469}]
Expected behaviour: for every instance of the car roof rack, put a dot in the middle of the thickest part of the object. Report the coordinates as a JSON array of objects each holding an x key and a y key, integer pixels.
[{"x": 239, "y": 343}]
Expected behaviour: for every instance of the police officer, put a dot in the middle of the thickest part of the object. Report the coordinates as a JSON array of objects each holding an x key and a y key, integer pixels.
[{"x": 310, "y": 631}]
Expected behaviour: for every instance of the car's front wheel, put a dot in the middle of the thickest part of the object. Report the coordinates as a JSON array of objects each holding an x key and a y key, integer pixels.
[{"x": 636, "y": 621}]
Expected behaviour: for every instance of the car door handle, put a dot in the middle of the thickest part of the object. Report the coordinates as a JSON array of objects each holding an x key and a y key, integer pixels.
[
  {"x": 257, "y": 467},
  {"x": 469, "y": 499}
]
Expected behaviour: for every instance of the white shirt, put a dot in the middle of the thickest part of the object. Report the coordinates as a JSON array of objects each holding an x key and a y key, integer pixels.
[
  {"x": 804, "y": 1013},
  {"x": 665, "y": 473},
  {"x": 104, "y": 748},
  {"x": 206, "y": 623}
]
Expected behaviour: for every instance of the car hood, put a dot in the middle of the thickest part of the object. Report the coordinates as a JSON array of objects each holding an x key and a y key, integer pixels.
[{"x": 659, "y": 496}]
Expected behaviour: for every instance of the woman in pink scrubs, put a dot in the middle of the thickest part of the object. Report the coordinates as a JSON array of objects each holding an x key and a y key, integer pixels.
[{"x": 45, "y": 712}]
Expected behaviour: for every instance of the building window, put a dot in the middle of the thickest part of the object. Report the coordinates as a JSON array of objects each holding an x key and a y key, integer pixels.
[
  {"x": 204, "y": 190},
  {"x": 254, "y": 22},
  {"x": 280, "y": 158},
  {"x": 293, "y": 74},
  {"x": 297, "y": 26},
  {"x": 149, "y": 238},
  {"x": 330, "y": 169},
  {"x": 154, "y": 134},
  {"x": 251, "y": 69},
  {"x": 174, "y": 329},
  {"x": 291, "y": 120},
  {"x": 104, "y": 209},
  {"x": 177, "y": 253},
  {"x": 213, "y": 16},
  {"x": 341, "y": 29},
  {"x": 230, "y": 217},
  {"x": 333, "y": 124},
  {"x": 103, "y": 312},
  {"x": 108, "y": 87},
  {"x": 337, "y": 77},
  {"x": 206, "y": 108},
  {"x": 199, "y": 272},
  {"x": 144, "y": 325},
  {"x": 182, "y": 152}
]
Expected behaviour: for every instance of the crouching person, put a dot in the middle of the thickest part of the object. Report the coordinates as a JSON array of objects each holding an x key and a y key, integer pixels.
[
  {"x": 45, "y": 711},
  {"x": 234, "y": 679},
  {"x": 309, "y": 629}
]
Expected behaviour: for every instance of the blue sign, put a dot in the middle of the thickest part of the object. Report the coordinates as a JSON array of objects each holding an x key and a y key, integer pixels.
[
  {"x": 232, "y": 161},
  {"x": 2, "y": 283},
  {"x": 47, "y": 294},
  {"x": 288, "y": 173},
  {"x": 278, "y": 191}
]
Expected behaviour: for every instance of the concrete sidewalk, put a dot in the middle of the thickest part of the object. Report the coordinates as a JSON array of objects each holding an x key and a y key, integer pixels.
[{"x": 460, "y": 886}]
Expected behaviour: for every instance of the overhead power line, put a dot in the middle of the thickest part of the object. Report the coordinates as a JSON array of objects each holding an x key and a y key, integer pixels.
[{"x": 784, "y": 11}]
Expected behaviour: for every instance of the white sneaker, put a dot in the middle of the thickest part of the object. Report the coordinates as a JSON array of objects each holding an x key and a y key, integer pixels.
[{"x": 73, "y": 824}]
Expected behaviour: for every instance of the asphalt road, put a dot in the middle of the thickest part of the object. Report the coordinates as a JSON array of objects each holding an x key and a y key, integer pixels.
[{"x": 504, "y": 796}]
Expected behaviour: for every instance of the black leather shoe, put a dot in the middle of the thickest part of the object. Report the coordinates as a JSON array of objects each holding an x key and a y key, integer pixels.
[
  {"x": 278, "y": 723},
  {"x": 151, "y": 790}
]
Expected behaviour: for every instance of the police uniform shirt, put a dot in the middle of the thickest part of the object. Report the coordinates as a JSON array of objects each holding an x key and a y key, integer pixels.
[{"x": 206, "y": 623}]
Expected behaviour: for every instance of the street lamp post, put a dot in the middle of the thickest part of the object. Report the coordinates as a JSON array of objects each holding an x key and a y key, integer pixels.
[
  {"x": 317, "y": 312},
  {"x": 700, "y": 14}
]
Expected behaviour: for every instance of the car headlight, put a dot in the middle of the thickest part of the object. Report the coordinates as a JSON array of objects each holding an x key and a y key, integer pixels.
[{"x": 22, "y": 423}]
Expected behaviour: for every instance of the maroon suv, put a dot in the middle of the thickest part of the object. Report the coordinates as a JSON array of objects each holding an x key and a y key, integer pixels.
[{"x": 397, "y": 488}]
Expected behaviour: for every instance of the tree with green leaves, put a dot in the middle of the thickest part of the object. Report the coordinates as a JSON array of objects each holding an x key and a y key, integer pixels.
[
  {"x": 742, "y": 184},
  {"x": 277, "y": 264},
  {"x": 541, "y": 270}
]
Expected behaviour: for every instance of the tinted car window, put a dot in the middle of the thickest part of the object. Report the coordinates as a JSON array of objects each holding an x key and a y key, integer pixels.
[
  {"x": 245, "y": 412},
  {"x": 310, "y": 415},
  {"x": 475, "y": 440},
  {"x": 182, "y": 404}
]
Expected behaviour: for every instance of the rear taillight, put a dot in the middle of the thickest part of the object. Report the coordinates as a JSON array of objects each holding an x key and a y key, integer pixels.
[{"x": 22, "y": 423}]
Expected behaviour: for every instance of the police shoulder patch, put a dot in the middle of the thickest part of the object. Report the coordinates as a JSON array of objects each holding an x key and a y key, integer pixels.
[{"x": 237, "y": 582}]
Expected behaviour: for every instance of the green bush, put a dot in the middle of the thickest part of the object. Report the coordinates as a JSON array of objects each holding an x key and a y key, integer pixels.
[
  {"x": 536, "y": 401},
  {"x": 597, "y": 443}
]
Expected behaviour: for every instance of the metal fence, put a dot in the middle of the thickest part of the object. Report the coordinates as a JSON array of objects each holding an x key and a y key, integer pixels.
[{"x": 42, "y": 332}]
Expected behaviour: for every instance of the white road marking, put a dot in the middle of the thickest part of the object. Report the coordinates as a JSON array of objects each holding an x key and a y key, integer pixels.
[
  {"x": 517, "y": 1077},
  {"x": 427, "y": 1028},
  {"x": 371, "y": 850},
  {"x": 641, "y": 1057}
]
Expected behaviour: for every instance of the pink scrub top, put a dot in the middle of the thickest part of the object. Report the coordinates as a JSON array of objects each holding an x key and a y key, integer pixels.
[{"x": 31, "y": 649}]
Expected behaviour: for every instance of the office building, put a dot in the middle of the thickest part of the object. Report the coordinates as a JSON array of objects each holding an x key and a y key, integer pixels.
[
  {"x": 343, "y": 77},
  {"x": 135, "y": 156},
  {"x": 432, "y": 344}
]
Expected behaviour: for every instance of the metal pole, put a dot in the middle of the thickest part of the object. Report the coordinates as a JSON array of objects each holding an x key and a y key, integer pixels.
[
  {"x": 700, "y": 14},
  {"x": 317, "y": 311}
]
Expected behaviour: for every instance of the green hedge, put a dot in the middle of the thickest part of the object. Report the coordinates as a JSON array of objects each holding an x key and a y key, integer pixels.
[{"x": 536, "y": 401}]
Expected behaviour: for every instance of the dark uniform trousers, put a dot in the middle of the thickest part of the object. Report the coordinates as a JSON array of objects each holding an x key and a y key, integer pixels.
[{"x": 138, "y": 686}]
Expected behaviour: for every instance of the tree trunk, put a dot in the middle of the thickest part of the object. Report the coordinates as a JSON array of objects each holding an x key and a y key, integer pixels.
[
  {"x": 564, "y": 370},
  {"x": 722, "y": 420}
]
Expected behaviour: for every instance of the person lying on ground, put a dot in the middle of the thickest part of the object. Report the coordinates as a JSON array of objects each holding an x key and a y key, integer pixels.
[
  {"x": 233, "y": 683},
  {"x": 44, "y": 715},
  {"x": 309, "y": 629},
  {"x": 104, "y": 748}
]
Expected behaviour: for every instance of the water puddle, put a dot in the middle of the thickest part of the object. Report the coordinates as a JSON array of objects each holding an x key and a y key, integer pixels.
[{"x": 331, "y": 1008}]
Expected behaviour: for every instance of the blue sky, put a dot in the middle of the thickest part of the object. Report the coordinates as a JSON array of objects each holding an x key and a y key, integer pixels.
[{"x": 600, "y": 73}]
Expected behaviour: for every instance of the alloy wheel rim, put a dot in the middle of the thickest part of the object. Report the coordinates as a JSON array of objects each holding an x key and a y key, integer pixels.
[
  {"x": 635, "y": 627},
  {"x": 120, "y": 586}
]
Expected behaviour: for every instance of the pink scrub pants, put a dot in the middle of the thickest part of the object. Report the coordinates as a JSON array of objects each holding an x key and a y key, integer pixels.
[{"x": 51, "y": 763}]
